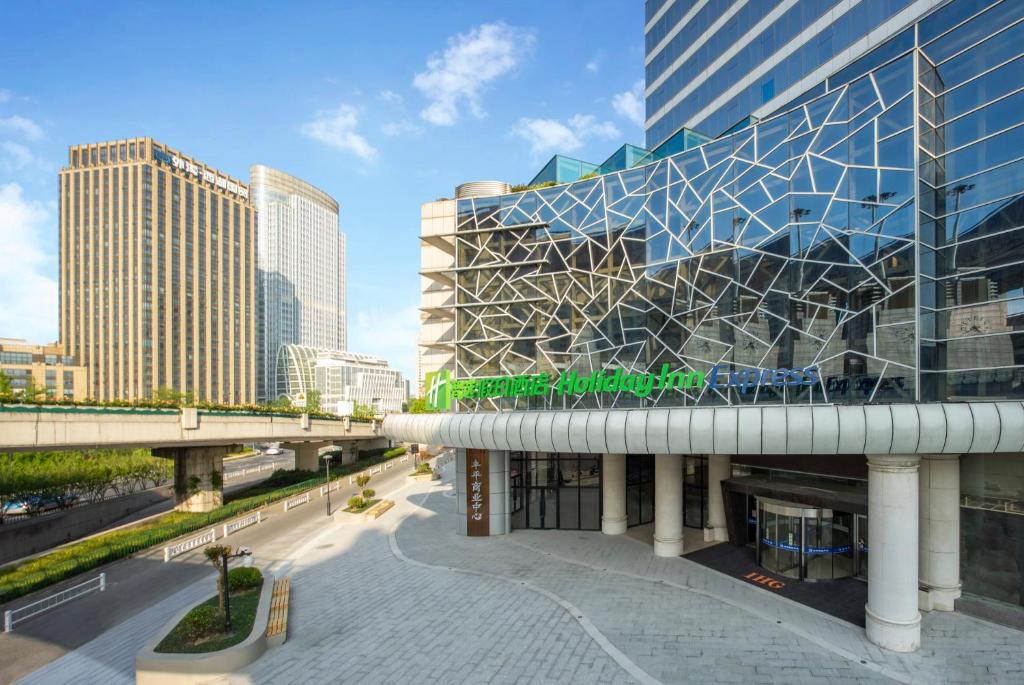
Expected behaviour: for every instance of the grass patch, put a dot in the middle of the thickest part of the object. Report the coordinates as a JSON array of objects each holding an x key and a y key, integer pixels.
[
  {"x": 76, "y": 558},
  {"x": 194, "y": 633},
  {"x": 359, "y": 510}
]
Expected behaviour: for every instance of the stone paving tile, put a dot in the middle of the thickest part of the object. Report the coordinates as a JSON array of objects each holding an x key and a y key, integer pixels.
[
  {"x": 634, "y": 606},
  {"x": 365, "y": 610}
]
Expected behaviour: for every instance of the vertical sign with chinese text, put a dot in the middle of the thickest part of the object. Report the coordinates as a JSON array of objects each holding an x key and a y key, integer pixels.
[{"x": 477, "y": 493}]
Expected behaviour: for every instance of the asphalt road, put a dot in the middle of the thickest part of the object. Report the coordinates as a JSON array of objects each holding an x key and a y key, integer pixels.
[{"x": 138, "y": 582}]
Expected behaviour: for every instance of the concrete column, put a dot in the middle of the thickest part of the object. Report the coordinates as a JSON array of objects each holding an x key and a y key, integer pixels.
[
  {"x": 613, "y": 494},
  {"x": 891, "y": 615},
  {"x": 939, "y": 557},
  {"x": 719, "y": 469},
  {"x": 198, "y": 476},
  {"x": 668, "y": 505},
  {"x": 307, "y": 454}
]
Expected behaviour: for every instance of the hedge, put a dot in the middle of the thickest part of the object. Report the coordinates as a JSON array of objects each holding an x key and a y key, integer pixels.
[
  {"x": 17, "y": 403},
  {"x": 79, "y": 557}
]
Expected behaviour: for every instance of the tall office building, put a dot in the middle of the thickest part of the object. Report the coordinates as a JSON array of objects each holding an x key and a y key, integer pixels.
[
  {"x": 713, "y": 65},
  {"x": 300, "y": 270},
  {"x": 157, "y": 273}
]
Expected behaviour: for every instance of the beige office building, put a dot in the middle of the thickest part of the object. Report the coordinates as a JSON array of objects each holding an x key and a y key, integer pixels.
[
  {"x": 157, "y": 273},
  {"x": 49, "y": 368}
]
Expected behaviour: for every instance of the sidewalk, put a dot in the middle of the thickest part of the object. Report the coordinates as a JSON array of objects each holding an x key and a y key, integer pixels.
[{"x": 404, "y": 599}]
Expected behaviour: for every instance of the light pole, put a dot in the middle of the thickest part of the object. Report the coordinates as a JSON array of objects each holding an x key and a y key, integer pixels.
[
  {"x": 327, "y": 460},
  {"x": 242, "y": 552}
]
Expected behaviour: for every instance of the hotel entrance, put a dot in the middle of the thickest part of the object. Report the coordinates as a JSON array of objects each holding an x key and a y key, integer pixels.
[{"x": 809, "y": 543}]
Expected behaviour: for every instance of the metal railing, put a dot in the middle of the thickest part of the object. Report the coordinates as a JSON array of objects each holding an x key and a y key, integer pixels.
[
  {"x": 296, "y": 501},
  {"x": 335, "y": 485},
  {"x": 1005, "y": 505},
  {"x": 239, "y": 473},
  {"x": 239, "y": 524},
  {"x": 12, "y": 617},
  {"x": 174, "y": 550}
]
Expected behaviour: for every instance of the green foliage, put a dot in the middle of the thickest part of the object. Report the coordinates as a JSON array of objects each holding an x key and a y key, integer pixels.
[
  {"x": 313, "y": 401},
  {"x": 32, "y": 392},
  {"x": 356, "y": 502},
  {"x": 363, "y": 412},
  {"x": 202, "y": 622},
  {"x": 520, "y": 187},
  {"x": 216, "y": 479},
  {"x": 47, "y": 480},
  {"x": 243, "y": 578},
  {"x": 418, "y": 405},
  {"x": 86, "y": 555},
  {"x": 154, "y": 403},
  {"x": 423, "y": 469},
  {"x": 6, "y": 392},
  {"x": 394, "y": 452},
  {"x": 362, "y": 480},
  {"x": 215, "y": 554},
  {"x": 368, "y": 493},
  {"x": 584, "y": 177},
  {"x": 168, "y": 394}
]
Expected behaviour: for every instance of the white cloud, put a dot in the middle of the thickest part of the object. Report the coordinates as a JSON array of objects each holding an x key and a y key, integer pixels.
[
  {"x": 548, "y": 136},
  {"x": 21, "y": 126},
  {"x": 5, "y": 95},
  {"x": 593, "y": 66},
  {"x": 399, "y": 128},
  {"x": 29, "y": 291},
  {"x": 471, "y": 61},
  {"x": 390, "y": 334},
  {"x": 16, "y": 157},
  {"x": 337, "y": 128},
  {"x": 390, "y": 97},
  {"x": 630, "y": 104}
]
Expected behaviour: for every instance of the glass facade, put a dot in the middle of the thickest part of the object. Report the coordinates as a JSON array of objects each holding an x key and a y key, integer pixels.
[
  {"x": 708, "y": 68},
  {"x": 873, "y": 230},
  {"x": 556, "y": 491}
]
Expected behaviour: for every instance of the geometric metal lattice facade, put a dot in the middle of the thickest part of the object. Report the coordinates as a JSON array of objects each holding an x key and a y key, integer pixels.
[{"x": 834, "y": 234}]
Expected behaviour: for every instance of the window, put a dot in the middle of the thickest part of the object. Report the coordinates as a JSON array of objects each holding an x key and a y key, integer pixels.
[
  {"x": 767, "y": 90},
  {"x": 556, "y": 491}
]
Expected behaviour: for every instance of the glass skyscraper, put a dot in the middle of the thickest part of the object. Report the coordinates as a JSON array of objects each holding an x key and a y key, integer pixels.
[
  {"x": 300, "y": 271},
  {"x": 711, "y": 65}
]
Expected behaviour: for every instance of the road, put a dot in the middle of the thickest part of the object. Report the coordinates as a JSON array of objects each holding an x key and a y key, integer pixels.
[{"x": 139, "y": 582}]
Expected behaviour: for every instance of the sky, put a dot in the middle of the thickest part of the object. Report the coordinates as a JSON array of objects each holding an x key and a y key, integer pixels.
[{"x": 383, "y": 105}]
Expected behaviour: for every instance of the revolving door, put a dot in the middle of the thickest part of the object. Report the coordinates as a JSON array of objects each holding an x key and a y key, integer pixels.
[{"x": 805, "y": 543}]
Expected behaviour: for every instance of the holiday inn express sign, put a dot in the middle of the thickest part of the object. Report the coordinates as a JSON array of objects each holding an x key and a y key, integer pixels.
[{"x": 443, "y": 390}]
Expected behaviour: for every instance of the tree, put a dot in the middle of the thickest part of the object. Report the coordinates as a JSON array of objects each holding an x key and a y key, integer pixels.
[
  {"x": 32, "y": 392},
  {"x": 6, "y": 392},
  {"x": 216, "y": 554},
  {"x": 363, "y": 411},
  {"x": 418, "y": 405},
  {"x": 313, "y": 401},
  {"x": 168, "y": 394},
  {"x": 281, "y": 403}
]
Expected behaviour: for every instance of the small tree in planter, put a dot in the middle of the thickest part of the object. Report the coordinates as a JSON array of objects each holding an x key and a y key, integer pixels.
[
  {"x": 215, "y": 553},
  {"x": 356, "y": 502},
  {"x": 368, "y": 493},
  {"x": 362, "y": 480}
]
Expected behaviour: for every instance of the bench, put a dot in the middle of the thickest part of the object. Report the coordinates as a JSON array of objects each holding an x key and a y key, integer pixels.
[
  {"x": 378, "y": 509},
  {"x": 277, "y": 625}
]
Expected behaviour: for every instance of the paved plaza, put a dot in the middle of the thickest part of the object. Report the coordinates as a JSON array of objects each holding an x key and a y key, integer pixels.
[{"x": 405, "y": 599}]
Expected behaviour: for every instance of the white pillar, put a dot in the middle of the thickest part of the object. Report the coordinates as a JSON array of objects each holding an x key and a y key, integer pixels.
[
  {"x": 939, "y": 531},
  {"x": 613, "y": 494},
  {"x": 719, "y": 469},
  {"x": 307, "y": 454},
  {"x": 891, "y": 616},
  {"x": 668, "y": 505}
]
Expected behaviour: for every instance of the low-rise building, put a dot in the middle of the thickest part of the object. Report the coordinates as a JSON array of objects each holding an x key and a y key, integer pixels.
[
  {"x": 48, "y": 367},
  {"x": 343, "y": 379}
]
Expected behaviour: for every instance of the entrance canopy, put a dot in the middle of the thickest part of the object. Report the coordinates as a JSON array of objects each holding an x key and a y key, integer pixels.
[{"x": 937, "y": 428}]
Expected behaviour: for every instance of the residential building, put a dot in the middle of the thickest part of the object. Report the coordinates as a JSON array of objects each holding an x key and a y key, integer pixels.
[
  {"x": 300, "y": 270},
  {"x": 343, "y": 379},
  {"x": 49, "y": 368},
  {"x": 157, "y": 273},
  {"x": 801, "y": 339}
]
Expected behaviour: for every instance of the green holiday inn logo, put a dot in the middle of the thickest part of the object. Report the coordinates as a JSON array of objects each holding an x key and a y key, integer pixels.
[{"x": 443, "y": 390}]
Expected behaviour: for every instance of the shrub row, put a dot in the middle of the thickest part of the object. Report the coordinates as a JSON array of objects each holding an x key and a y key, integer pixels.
[
  {"x": 79, "y": 557},
  {"x": 172, "y": 404}
]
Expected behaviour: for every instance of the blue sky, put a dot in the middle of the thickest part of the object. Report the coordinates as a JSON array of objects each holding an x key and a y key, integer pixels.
[{"x": 384, "y": 105}]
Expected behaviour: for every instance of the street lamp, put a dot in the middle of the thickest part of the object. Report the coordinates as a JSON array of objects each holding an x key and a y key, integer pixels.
[
  {"x": 327, "y": 459},
  {"x": 242, "y": 552}
]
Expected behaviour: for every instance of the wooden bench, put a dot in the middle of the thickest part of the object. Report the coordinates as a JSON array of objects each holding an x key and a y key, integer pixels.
[
  {"x": 277, "y": 625},
  {"x": 378, "y": 509}
]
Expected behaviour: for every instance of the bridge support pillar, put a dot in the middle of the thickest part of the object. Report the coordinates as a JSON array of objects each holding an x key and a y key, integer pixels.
[
  {"x": 198, "y": 476},
  {"x": 307, "y": 454}
]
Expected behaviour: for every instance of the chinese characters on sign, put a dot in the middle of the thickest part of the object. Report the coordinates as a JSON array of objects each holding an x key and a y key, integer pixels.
[{"x": 477, "y": 493}]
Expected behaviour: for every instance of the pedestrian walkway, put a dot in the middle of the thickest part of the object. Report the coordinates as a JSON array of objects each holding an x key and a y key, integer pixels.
[{"x": 404, "y": 599}]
